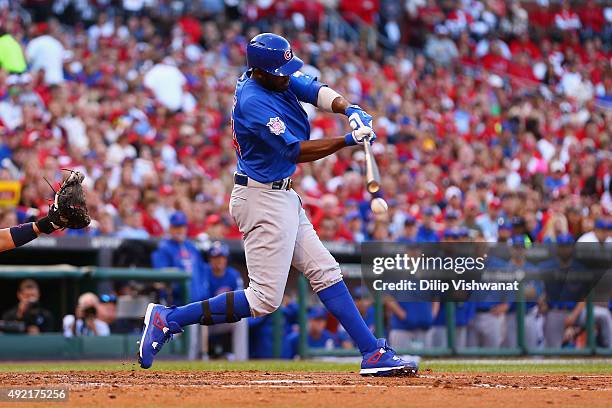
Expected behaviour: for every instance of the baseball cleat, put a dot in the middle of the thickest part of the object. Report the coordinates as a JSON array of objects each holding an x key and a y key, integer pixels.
[
  {"x": 157, "y": 331},
  {"x": 384, "y": 362}
]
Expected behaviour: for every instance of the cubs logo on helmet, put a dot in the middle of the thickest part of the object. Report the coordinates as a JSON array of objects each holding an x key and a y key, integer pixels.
[{"x": 272, "y": 54}]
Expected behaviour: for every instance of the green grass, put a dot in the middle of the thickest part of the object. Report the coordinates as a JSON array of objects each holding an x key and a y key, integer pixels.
[{"x": 582, "y": 366}]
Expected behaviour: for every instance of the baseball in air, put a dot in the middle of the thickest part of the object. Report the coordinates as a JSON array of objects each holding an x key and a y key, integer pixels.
[{"x": 379, "y": 206}]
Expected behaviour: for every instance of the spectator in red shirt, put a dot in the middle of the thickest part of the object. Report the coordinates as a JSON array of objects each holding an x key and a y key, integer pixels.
[
  {"x": 494, "y": 61},
  {"x": 567, "y": 19},
  {"x": 364, "y": 10},
  {"x": 524, "y": 44},
  {"x": 592, "y": 18}
]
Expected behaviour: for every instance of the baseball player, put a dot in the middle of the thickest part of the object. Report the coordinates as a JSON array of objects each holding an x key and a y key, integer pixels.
[
  {"x": 68, "y": 210},
  {"x": 270, "y": 136}
]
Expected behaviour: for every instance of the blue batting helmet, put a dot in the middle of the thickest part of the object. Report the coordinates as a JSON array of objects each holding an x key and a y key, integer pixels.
[
  {"x": 273, "y": 54},
  {"x": 218, "y": 248}
]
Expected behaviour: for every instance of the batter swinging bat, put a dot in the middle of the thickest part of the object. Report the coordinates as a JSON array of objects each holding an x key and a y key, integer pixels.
[{"x": 372, "y": 174}]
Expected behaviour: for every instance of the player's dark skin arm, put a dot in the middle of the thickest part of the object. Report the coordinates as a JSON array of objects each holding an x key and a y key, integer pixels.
[
  {"x": 311, "y": 150},
  {"x": 6, "y": 240}
]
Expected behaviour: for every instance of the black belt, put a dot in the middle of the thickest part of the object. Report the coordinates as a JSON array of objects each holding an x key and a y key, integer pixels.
[{"x": 284, "y": 184}]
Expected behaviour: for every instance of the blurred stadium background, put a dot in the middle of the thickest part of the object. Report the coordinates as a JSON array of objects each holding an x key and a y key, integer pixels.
[{"x": 494, "y": 120}]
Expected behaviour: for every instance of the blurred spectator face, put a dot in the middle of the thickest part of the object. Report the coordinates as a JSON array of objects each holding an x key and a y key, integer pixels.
[
  {"x": 328, "y": 229},
  {"x": 363, "y": 304},
  {"x": 381, "y": 231},
  {"x": 86, "y": 301},
  {"x": 178, "y": 233},
  {"x": 601, "y": 233},
  {"x": 504, "y": 234},
  {"x": 410, "y": 229},
  {"x": 218, "y": 264},
  {"x": 107, "y": 226},
  {"x": 471, "y": 210},
  {"x": 28, "y": 292},
  {"x": 216, "y": 229},
  {"x": 316, "y": 327},
  {"x": 509, "y": 204},
  {"x": 354, "y": 224},
  {"x": 133, "y": 219},
  {"x": 427, "y": 220}
]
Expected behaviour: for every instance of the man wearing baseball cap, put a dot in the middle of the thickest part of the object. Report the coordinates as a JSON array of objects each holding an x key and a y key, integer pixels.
[
  {"x": 223, "y": 277},
  {"x": 177, "y": 251},
  {"x": 318, "y": 335},
  {"x": 600, "y": 233}
]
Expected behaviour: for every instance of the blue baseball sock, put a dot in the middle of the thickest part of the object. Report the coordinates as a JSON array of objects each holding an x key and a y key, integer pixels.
[
  {"x": 214, "y": 310},
  {"x": 339, "y": 302}
]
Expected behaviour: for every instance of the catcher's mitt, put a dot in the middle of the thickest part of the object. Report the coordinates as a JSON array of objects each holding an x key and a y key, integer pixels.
[{"x": 69, "y": 209}]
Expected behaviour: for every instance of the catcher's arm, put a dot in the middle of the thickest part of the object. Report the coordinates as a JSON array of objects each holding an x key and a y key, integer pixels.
[
  {"x": 19, "y": 235},
  {"x": 68, "y": 210}
]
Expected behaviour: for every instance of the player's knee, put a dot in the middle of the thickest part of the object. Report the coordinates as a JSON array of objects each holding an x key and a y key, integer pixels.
[
  {"x": 266, "y": 303},
  {"x": 324, "y": 278},
  {"x": 273, "y": 303}
]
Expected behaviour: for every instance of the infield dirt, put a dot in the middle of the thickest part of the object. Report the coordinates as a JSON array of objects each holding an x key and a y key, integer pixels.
[{"x": 139, "y": 388}]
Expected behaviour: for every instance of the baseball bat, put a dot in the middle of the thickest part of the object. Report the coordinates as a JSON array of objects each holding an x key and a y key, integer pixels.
[{"x": 372, "y": 174}]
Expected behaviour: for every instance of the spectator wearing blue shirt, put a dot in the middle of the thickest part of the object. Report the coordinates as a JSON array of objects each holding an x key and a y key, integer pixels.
[
  {"x": 410, "y": 231},
  {"x": 261, "y": 337},
  {"x": 132, "y": 227},
  {"x": 411, "y": 323},
  {"x": 318, "y": 335},
  {"x": 504, "y": 231},
  {"x": 426, "y": 232},
  {"x": 177, "y": 251},
  {"x": 557, "y": 178},
  {"x": 223, "y": 278},
  {"x": 355, "y": 226}
]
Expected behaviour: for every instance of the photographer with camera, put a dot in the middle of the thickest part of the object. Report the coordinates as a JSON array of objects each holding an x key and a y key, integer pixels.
[
  {"x": 28, "y": 316},
  {"x": 85, "y": 321}
]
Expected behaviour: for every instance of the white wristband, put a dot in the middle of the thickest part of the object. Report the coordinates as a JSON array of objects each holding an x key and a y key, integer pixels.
[{"x": 326, "y": 97}]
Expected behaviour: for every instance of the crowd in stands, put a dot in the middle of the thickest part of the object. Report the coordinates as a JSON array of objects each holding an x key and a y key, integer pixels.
[{"x": 494, "y": 111}]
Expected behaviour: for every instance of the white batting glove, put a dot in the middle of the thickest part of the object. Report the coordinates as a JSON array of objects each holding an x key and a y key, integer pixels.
[{"x": 359, "y": 136}]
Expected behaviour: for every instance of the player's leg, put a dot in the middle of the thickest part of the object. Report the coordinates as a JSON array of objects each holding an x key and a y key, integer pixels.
[
  {"x": 438, "y": 336},
  {"x": 510, "y": 340},
  {"x": 461, "y": 337},
  {"x": 492, "y": 329},
  {"x": 400, "y": 339},
  {"x": 321, "y": 269},
  {"x": 533, "y": 328},
  {"x": 269, "y": 226},
  {"x": 554, "y": 327},
  {"x": 473, "y": 332}
]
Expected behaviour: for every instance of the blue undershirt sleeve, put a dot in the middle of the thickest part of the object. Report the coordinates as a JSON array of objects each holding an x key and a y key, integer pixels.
[{"x": 305, "y": 87}]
